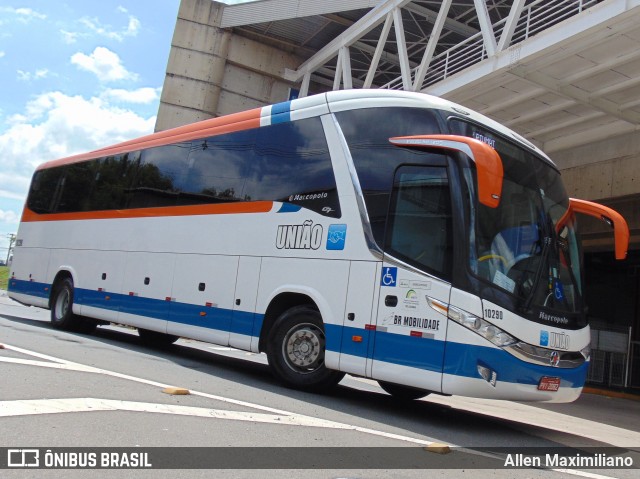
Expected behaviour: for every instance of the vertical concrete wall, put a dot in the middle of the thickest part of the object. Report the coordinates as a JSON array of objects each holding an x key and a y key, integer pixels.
[
  {"x": 607, "y": 171},
  {"x": 213, "y": 71},
  {"x": 604, "y": 169}
]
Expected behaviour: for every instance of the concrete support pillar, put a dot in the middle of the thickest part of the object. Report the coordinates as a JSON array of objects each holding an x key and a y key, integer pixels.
[
  {"x": 605, "y": 171},
  {"x": 214, "y": 71}
]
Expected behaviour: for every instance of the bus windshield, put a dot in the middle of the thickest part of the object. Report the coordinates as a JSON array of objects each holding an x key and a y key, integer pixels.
[{"x": 526, "y": 246}]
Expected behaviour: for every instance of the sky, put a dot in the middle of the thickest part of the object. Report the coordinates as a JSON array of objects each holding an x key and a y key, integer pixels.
[{"x": 77, "y": 75}]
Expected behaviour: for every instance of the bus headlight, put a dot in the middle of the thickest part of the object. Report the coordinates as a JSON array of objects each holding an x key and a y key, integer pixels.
[{"x": 478, "y": 325}]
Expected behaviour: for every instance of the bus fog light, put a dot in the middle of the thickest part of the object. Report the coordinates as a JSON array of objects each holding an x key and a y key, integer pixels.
[{"x": 488, "y": 375}]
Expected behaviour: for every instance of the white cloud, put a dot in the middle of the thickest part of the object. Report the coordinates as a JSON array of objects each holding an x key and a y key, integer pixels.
[
  {"x": 70, "y": 37},
  {"x": 28, "y": 12},
  {"x": 24, "y": 14},
  {"x": 104, "y": 63},
  {"x": 9, "y": 217},
  {"x": 37, "y": 75},
  {"x": 56, "y": 125},
  {"x": 2, "y": 53},
  {"x": 141, "y": 95},
  {"x": 94, "y": 25},
  {"x": 131, "y": 30}
]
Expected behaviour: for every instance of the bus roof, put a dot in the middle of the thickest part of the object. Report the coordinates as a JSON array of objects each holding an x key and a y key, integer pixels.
[{"x": 314, "y": 105}]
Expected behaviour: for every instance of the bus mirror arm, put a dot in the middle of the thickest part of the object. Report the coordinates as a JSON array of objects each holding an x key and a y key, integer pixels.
[
  {"x": 488, "y": 162},
  {"x": 610, "y": 217}
]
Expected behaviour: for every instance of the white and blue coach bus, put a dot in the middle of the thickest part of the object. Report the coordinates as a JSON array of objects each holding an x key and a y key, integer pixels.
[{"x": 389, "y": 235}]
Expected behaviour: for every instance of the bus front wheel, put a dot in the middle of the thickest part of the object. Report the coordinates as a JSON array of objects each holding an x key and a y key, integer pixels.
[
  {"x": 62, "y": 316},
  {"x": 296, "y": 350}
]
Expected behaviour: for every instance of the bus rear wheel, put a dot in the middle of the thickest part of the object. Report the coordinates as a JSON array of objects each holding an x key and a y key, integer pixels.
[
  {"x": 296, "y": 350},
  {"x": 62, "y": 316},
  {"x": 400, "y": 391}
]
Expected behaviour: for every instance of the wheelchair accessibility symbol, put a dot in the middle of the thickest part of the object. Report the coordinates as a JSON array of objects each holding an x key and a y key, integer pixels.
[
  {"x": 558, "y": 291},
  {"x": 389, "y": 276}
]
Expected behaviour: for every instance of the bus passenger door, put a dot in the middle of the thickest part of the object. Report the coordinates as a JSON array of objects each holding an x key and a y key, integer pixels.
[
  {"x": 360, "y": 314},
  {"x": 414, "y": 281},
  {"x": 244, "y": 305}
]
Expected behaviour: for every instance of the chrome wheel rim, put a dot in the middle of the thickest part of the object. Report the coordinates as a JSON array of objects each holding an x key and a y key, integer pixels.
[
  {"x": 303, "y": 348},
  {"x": 62, "y": 304}
]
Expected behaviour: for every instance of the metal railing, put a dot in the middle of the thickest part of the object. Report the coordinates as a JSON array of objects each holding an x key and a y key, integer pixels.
[
  {"x": 615, "y": 359},
  {"x": 535, "y": 18}
]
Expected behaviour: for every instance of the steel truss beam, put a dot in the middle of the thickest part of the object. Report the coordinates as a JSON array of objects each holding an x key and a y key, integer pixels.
[{"x": 390, "y": 12}]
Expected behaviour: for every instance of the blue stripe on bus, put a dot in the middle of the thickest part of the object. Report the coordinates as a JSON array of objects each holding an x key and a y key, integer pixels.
[
  {"x": 97, "y": 299},
  {"x": 420, "y": 353},
  {"x": 459, "y": 359},
  {"x": 289, "y": 208},
  {"x": 281, "y": 112},
  {"x": 239, "y": 322},
  {"x": 31, "y": 288},
  {"x": 463, "y": 360},
  {"x": 411, "y": 351}
]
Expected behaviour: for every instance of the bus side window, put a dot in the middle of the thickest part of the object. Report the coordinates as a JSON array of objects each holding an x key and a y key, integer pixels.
[
  {"x": 45, "y": 189},
  {"x": 292, "y": 165},
  {"x": 158, "y": 176},
  {"x": 110, "y": 184},
  {"x": 78, "y": 185},
  {"x": 420, "y": 220},
  {"x": 367, "y": 132},
  {"x": 217, "y": 167}
]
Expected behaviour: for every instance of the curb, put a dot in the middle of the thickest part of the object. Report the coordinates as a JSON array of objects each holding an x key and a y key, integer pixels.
[{"x": 612, "y": 394}]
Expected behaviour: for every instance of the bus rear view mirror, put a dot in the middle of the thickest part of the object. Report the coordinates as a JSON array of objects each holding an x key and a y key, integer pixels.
[
  {"x": 487, "y": 160},
  {"x": 610, "y": 217}
]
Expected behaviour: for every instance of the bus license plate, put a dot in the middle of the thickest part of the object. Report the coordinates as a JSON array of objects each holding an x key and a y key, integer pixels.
[{"x": 549, "y": 384}]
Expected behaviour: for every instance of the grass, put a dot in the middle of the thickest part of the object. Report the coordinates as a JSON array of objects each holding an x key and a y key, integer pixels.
[{"x": 4, "y": 276}]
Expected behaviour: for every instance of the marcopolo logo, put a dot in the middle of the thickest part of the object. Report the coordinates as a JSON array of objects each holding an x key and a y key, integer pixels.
[{"x": 304, "y": 236}]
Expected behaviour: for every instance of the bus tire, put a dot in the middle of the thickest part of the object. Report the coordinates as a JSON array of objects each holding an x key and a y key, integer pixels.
[
  {"x": 296, "y": 350},
  {"x": 62, "y": 316},
  {"x": 156, "y": 339},
  {"x": 400, "y": 391}
]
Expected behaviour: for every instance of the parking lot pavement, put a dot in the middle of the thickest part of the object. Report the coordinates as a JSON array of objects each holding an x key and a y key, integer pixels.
[{"x": 605, "y": 407}]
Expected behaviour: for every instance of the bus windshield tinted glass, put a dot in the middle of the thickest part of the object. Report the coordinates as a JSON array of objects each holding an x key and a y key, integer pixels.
[{"x": 522, "y": 246}]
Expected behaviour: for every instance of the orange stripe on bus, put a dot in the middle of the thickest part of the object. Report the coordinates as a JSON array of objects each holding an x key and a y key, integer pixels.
[
  {"x": 245, "y": 120},
  {"x": 192, "y": 210}
]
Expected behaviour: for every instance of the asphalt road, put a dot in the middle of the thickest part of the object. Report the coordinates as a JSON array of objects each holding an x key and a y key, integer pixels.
[{"x": 105, "y": 390}]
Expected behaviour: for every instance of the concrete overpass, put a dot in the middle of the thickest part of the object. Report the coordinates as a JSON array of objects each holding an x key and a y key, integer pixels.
[{"x": 564, "y": 74}]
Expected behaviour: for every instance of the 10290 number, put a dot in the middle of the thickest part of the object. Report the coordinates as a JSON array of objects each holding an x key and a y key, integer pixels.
[{"x": 493, "y": 314}]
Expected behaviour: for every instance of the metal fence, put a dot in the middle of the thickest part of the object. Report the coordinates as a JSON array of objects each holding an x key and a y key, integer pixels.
[
  {"x": 615, "y": 359},
  {"x": 535, "y": 17}
]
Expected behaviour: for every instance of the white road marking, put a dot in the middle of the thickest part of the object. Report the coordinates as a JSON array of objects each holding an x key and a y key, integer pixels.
[
  {"x": 58, "y": 363},
  {"x": 29, "y": 407},
  {"x": 51, "y": 406},
  {"x": 533, "y": 416}
]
